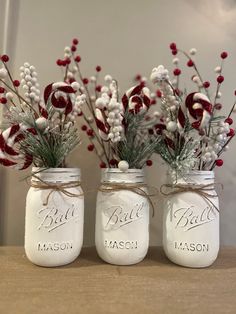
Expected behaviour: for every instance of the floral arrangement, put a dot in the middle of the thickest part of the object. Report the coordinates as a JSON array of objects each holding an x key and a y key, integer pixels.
[
  {"x": 40, "y": 129},
  {"x": 192, "y": 131},
  {"x": 117, "y": 127}
]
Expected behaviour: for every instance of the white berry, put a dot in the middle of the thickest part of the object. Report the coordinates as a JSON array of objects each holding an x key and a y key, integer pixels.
[{"x": 123, "y": 165}]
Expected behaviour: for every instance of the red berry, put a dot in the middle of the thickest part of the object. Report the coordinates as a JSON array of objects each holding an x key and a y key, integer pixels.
[
  {"x": 174, "y": 52},
  {"x": 77, "y": 58},
  {"x": 2, "y": 90},
  {"x": 71, "y": 80},
  {"x": 235, "y": 92},
  {"x": 68, "y": 60},
  {"x": 5, "y": 58},
  {"x": 59, "y": 62},
  {"x": 173, "y": 46},
  {"x": 63, "y": 63},
  {"x": 98, "y": 88},
  {"x": 75, "y": 41},
  {"x": 224, "y": 55},
  {"x": 138, "y": 77},
  {"x": 103, "y": 165},
  {"x": 113, "y": 162},
  {"x": 206, "y": 84},
  {"x": 159, "y": 93},
  {"x": 177, "y": 72},
  {"x": 190, "y": 63},
  {"x": 3, "y": 100},
  {"x": 153, "y": 102},
  {"x": 90, "y": 132},
  {"x": 85, "y": 81},
  {"x": 149, "y": 162},
  {"x": 218, "y": 106},
  {"x": 80, "y": 114},
  {"x": 229, "y": 120},
  {"x": 98, "y": 68},
  {"x": 16, "y": 83},
  {"x": 90, "y": 147},
  {"x": 220, "y": 79},
  {"x": 219, "y": 162},
  {"x": 84, "y": 127},
  {"x": 73, "y": 48},
  {"x": 231, "y": 133}
]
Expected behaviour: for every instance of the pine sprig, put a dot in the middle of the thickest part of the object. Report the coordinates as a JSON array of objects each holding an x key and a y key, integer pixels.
[{"x": 49, "y": 150}]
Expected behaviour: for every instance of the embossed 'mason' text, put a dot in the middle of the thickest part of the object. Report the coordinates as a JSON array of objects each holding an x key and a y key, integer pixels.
[
  {"x": 54, "y": 246},
  {"x": 197, "y": 247},
  {"x": 122, "y": 245}
]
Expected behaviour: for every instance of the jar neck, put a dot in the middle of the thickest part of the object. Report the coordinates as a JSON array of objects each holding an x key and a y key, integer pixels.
[
  {"x": 118, "y": 176},
  {"x": 56, "y": 174},
  {"x": 193, "y": 177}
]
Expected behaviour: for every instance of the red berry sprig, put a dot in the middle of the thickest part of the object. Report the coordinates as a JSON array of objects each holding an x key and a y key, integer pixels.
[
  {"x": 219, "y": 162},
  {"x": 98, "y": 68},
  {"x": 224, "y": 55},
  {"x": 220, "y": 79},
  {"x": 5, "y": 58},
  {"x": 90, "y": 147},
  {"x": 149, "y": 162},
  {"x": 177, "y": 72}
]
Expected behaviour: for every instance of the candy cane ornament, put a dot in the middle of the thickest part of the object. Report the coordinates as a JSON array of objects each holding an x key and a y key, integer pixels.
[
  {"x": 198, "y": 108},
  {"x": 137, "y": 99},
  {"x": 103, "y": 130},
  {"x": 9, "y": 156}
]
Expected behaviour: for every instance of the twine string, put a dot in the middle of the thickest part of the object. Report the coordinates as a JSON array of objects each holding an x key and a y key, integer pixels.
[
  {"x": 203, "y": 190},
  {"x": 136, "y": 188},
  {"x": 58, "y": 187}
]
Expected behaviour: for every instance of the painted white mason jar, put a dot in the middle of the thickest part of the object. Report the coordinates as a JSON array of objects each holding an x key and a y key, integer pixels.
[
  {"x": 122, "y": 218},
  {"x": 191, "y": 222},
  {"x": 54, "y": 219}
]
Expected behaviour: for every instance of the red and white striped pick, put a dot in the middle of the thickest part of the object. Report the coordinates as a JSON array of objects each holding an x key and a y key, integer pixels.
[
  {"x": 9, "y": 156},
  {"x": 103, "y": 129},
  {"x": 198, "y": 108},
  {"x": 136, "y": 98}
]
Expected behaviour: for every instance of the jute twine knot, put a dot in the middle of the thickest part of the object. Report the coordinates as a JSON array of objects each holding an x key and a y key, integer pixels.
[
  {"x": 58, "y": 187},
  {"x": 204, "y": 190},
  {"x": 137, "y": 188}
]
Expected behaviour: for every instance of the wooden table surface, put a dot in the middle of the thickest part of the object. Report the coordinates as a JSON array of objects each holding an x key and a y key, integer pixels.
[{"x": 90, "y": 286}]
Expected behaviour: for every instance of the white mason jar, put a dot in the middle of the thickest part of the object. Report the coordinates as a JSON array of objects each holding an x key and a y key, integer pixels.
[
  {"x": 54, "y": 219},
  {"x": 191, "y": 222},
  {"x": 122, "y": 218}
]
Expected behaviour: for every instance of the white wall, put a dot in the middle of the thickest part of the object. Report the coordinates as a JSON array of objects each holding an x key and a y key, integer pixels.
[{"x": 124, "y": 37}]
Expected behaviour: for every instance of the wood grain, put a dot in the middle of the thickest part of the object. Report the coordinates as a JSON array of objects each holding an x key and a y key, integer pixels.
[{"x": 90, "y": 286}]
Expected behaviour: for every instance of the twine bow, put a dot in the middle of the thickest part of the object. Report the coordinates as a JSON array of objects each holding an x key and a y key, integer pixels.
[
  {"x": 59, "y": 187},
  {"x": 203, "y": 190},
  {"x": 136, "y": 188}
]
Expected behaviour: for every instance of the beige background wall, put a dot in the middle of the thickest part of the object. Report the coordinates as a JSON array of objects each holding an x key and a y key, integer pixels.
[{"x": 124, "y": 37}]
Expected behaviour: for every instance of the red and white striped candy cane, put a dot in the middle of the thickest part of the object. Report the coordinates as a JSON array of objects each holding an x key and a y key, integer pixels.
[
  {"x": 198, "y": 108},
  {"x": 103, "y": 130},
  {"x": 136, "y": 98},
  {"x": 9, "y": 155}
]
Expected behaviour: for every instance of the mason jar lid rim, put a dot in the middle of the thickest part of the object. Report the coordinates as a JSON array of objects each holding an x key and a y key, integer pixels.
[
  {"x": 200, "y": 172},
  {"x": 117, "y": 170},
  {"x": 39, "y": 170}
]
